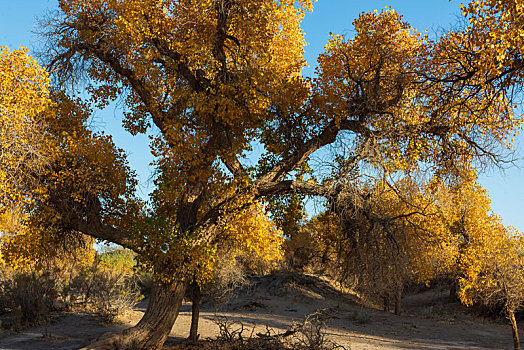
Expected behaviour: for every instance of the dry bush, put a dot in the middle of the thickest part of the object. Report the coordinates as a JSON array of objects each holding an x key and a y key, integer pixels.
[
  {"x": 123, "y": 260},
  {"x": 230, "y": 331},
  {"x": 230, "y": 277},
  {"x": 233, "y": 335},
  {"x": 99, "y": 288},
  {"x": 310, "y": 334},
  {"x": 27, "y": 297},
  {"x": 114, "y": 293}
]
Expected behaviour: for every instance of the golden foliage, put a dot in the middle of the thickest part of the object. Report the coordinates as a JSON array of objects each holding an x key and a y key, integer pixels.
[
  {"x": 51, "y": 167},
  {"x": 159, "y": 41},
  {"x": 426, "y": 101},
  {"x": 24, "y": 99},
  {"x": 251, "y": 233},
  {"x": 174, "y": 255},
  {"x": 492, "y": 265}
]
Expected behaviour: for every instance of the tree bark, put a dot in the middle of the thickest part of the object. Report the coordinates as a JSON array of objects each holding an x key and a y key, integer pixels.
[
  {"x": 195, "y": 312},
  {"x": 514, "y": 329},
  {"x": 453, "y": 295},
  {"x": 154, "y": 327},
  {"x": 385, "y": 299}
]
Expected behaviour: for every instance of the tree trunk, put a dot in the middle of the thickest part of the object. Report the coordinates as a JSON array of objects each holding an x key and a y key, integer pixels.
[
  {"x": 154, "y": 327},
  {"x": 195, "y": 312},
  {"x": 398, "y": 301},
  {"x": 385, "y": 299},
  {"x": 514, "y": 329},
  {"x": 453, "y": 292}
]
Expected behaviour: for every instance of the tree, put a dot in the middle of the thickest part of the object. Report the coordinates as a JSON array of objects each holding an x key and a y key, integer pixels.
[
  {"x": 412, "y": 240},
  {"x": 470, "y": 209},
  {"x": 214, "y": 77},
  {"x": 493, "y": 270}
]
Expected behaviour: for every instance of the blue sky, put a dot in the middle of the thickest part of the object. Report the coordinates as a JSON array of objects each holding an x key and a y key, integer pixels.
[{"x": 17, "y": 21}]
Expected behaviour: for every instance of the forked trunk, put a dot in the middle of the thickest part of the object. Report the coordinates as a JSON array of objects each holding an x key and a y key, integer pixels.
[
  {"x": 154, "y": 327},
  {"x": 514, "y": 329},
  {"x": 195, "y": 312}
]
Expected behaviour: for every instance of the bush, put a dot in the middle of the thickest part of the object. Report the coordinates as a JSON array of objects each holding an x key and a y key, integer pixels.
[
  {"x": 28, "y": 296},
  {"x": 233, "y": 335},
  {"x": 310, "y": 334},
  {"x": 123, "y": 260},
  {"x": 230, "y": 277},
  {"x": 114, "y": 293}
]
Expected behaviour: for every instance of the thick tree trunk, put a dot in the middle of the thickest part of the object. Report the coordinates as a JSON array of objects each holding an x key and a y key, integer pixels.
[
  {"x": 153, "y": 329},
  {"x": 195, "y": 312},
  {"x": 514, "y": 329}
]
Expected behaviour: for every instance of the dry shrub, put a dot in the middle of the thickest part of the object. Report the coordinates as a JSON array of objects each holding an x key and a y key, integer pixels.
[
  {"x": 310, "y": 334},
  {"x": 230, "y": 277},
  {"x": 230, "y": 331},
  {"x": 233, "y": 335},
  {"x": 104, "y": 290},
  {"x": 29, "y": 296},
  {"x": 114, "y": 293}
]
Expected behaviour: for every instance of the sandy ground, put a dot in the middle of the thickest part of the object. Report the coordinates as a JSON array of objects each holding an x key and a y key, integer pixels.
[{"x": 428, "y": 322}]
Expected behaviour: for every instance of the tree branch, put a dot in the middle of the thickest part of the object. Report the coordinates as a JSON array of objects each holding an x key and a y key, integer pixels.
[
  {"x": 302, "y": 152},
  {"x": 290, "y": 186},
  {"x": 94, "y": 227}
]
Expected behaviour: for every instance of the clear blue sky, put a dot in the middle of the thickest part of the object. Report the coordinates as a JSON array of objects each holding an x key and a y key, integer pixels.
[{"x": 17, "y": 21}]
